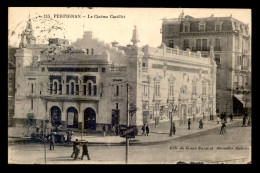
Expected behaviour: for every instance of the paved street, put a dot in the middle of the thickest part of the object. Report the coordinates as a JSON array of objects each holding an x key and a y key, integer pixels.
[{"x": 233, "y": 145}]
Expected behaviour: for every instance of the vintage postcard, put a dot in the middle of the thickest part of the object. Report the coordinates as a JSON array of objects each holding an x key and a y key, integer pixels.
[{"x": 129, "y": 85}]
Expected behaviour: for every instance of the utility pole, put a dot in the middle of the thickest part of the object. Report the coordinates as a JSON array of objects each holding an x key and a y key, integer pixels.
[
  {"x": 43, "y": 136},
  {"x": 127, "y": 122}
]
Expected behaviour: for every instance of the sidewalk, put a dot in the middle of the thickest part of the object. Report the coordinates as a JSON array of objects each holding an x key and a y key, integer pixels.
[{"x": 157, "y": 135}]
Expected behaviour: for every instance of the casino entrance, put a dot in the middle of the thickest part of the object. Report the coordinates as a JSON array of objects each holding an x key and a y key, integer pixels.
[
  {"x": 89, "y": 119},
  {"x": 55, "y": 116}
]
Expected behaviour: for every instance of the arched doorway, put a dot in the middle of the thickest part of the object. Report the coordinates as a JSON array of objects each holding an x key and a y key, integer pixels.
[
  {"x": 55, "y": 116},
  {"x": 72, "y": 117},
  {"x": 89, "y": 119}
]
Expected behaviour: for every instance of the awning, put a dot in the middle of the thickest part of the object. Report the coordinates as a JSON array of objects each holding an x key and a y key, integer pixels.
[{"x": 246, "y": 102}]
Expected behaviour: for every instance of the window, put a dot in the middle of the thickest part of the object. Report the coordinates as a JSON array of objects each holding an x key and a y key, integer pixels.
[
  {"x": 143, "y": 64},
  {"x": 95, "y": 90},
  {"x": 72, "y": 88},
  {"x": 240, "y": 80},
  {"x": 117, "y": 90},
  {"x": 204, "y": 90},
  {"x": 186, "y": 28},
  {"x": 31, "y": 104},
  {"x": 218, "y": 80},
  {"x": 87, "y": 51},
  {"x": 32, "y": 88},
  {"x": 171, "y": 44},
  {"x": 235, "y": 85},
  {"x": 103, "y": 69},
  {"x": 145, "y": 88},
  {"x": 198, "y": 44},
  {"x": 157, "y": 89},
  {"x": 89, "y": 89},
  {"x": 92, "y": 51},
  {"x": 217, "y": 59},
  {"x": 186, "y": 44},
  {"x": 218, "y": 27},
  {"x": 50, "y": 88},
  {"x": 67, "y": 89},
  {"x": 116, "y": 105},
  {"x": 60, "y": 88},
  {"x": 84, "y": 89},
  {"x": 77, "y": 89},
  {"x": 204, "y": 45},
  {"x": 246, "y": 80},
  {"x": 194, "y": 89},
  {"x": 217, "y": 44},
  {"x": 202, "y": 27},
  {"x": 55, "y": 87},
  {"x": 43, "y": 69}
]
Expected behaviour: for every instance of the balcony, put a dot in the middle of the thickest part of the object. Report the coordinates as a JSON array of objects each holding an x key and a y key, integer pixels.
[{"x": 217, "y": 48}]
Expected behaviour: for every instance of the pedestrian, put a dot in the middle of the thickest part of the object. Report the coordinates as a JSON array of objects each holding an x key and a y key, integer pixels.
[
  {"x": 74, "y": 146},
  {"x": 52, "y": 140},
  {"x": 231, "y": 117},
  {"x": 200, "y": 124},
  {"x": 143, "y": 129},
  {"x": 244, "y": 121},
  {"x": 222, "y": 130},
  {"x": 189, "y": 123},
  {"x": 85, "y": 151},
  {"x": 147, "y": 129},
  {"x": 104, "y": 130},
  {"x": 173, "y": 128},
  {"x": 77, "y": 150},
  {"x": 218, "y": 119}
]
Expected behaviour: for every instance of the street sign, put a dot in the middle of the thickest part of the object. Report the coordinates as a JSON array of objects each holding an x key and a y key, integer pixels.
[{"x": 128, "y": 132}]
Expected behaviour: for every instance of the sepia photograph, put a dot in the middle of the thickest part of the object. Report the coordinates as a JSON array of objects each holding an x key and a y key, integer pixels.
[{"x": 102, "y": 85}]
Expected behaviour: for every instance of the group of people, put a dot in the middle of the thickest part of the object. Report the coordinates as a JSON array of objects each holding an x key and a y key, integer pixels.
[
  {"x": 76, "y": 150},
  {"x": 145, "y": 129},
  {"x": 200, "y": 124}
]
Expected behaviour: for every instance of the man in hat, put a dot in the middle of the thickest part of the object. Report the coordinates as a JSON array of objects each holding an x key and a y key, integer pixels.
[
  {"x": 85, "y": 151},
  {"x": 52, "y": 140},
  {"x": 189, "y": 123}
]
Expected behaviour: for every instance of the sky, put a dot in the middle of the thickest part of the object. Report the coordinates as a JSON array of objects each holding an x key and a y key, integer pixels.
[{"x": 147, "y": 20}]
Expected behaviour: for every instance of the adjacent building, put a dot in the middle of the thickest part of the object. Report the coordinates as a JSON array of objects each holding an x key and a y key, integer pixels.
[
  {"x": 231, "y": 41},
  {"x": 83, "y": 85}
]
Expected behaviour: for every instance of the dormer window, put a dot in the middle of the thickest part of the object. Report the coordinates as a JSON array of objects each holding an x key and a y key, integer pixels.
[
  {"x": 218, "y": 26},
  {"x": 186, "y": 27},
  {"x": 202, "y": 26}
]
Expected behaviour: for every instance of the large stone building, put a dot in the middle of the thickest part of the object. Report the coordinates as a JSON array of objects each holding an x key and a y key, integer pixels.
[
  {"x": 84, "y": 84},
  {"x": 231, "y": 41}
]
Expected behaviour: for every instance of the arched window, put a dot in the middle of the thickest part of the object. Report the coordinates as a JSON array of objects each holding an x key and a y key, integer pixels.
[
  {"x": 87, "y": 51},
  {"x": 89, "y": 89},
  {"x": 92, "y": 51},
  {"x": 55, "y": 87},
  {"x": 72, "y": 88}
]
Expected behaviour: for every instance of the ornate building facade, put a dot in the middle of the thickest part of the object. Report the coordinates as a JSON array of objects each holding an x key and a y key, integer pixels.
[
  {"x": 232, "y": 50},
  {"x": 83, "y": 85}
]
